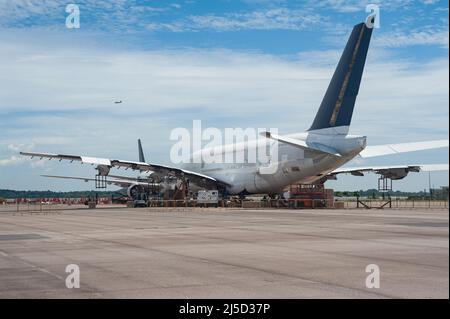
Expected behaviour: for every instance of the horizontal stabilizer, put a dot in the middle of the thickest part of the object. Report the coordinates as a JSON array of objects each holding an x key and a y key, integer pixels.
[
  {"x": 389, "y": 149},
  {"x": 302, "y": 144}
]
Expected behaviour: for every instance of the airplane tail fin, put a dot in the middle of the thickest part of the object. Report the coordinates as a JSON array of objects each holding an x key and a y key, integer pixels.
[
  {"x": 141, "y": 152},
  {"x": 336, "y": 109}
]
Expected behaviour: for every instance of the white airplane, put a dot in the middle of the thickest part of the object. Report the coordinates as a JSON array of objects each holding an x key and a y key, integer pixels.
[{"x": 309, "y": 157}]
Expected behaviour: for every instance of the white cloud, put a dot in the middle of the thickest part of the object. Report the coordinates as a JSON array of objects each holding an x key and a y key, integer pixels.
[
  {"x": 424, "y": 36},
  {"x": 118, "y": 15},
  {"x": 430, "y": 1},
  {"x": 269, "y": 19},
  {"x": 20, "y": 147},
  {"x": 151, "y": 82},
  {"x": 349, "y": 6},
  {"x": 344, "y": 5},
  {"x": 20, "y": 9},
  {"x": 12, "y": 160}
]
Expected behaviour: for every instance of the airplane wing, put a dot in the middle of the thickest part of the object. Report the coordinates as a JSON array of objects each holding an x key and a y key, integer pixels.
[
  {"x": 388, "y": 149},
  {"x": 104, "y": 164},
  {"x": 392, "y": 172},
  {"x": 118, "y": 182},
  {"x": 126, "y": 178}
]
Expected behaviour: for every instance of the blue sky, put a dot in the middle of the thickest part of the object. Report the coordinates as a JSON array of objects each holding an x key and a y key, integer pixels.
[{"x": 250, "y": 63}]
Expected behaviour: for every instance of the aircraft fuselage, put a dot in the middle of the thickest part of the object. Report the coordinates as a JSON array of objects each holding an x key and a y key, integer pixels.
[{"x": 292, "y": 164}]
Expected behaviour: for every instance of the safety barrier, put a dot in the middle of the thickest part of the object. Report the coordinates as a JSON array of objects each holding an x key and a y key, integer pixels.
[
  {"x": 54, "y": 208},
  {"x": 239, "y": 203},
  {"x": 37, "y": 209},
  {"x": 399, "y": 203},
  {"x": 307, "y": 203}
]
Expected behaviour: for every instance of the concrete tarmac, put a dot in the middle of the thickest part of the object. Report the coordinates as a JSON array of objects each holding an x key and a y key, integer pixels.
[{"x": 225, "y": 253}]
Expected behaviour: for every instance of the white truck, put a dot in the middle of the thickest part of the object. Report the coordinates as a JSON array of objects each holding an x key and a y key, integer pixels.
[{"x": 208, "y": 197}]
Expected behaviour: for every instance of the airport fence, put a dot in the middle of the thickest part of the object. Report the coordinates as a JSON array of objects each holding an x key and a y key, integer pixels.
[
  {"x": 56, "y": 208},
  {"x": 239, "y": 203},
  {"x": 308, "y": 203},
  {"x": 395, "y": 203},
  {"x": 38, "y": 208}
]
